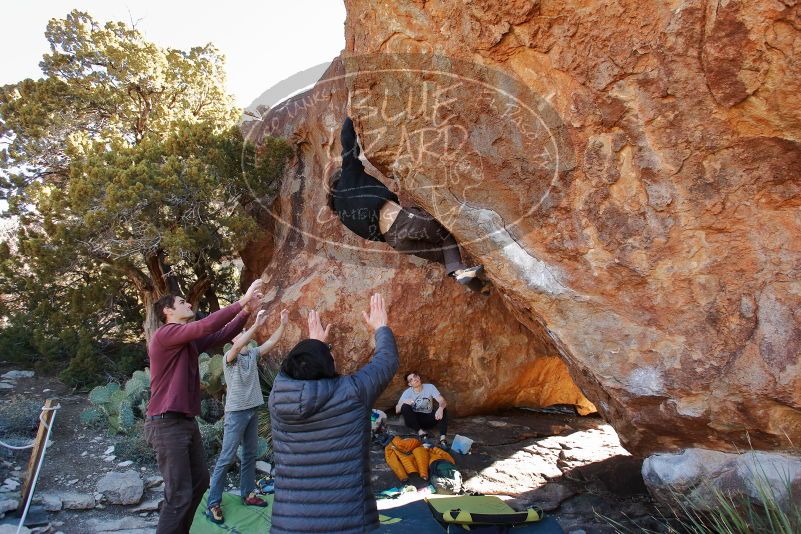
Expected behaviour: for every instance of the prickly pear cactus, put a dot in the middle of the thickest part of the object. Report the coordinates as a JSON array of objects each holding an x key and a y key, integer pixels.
[
  {"x": 102, "y": 394},
  {"x": 119, "y": 406},
  {"x": 212, "y": 379}
]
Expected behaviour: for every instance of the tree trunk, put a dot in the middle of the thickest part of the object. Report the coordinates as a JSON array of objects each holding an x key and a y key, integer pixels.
[
  {"x": 197, "y": 289},
  {"x": 211, "y": 298},
  {"x": 148, "y": 295},
  {"x": 152, "y": 322},
  {"x": 161, "y": 273}
]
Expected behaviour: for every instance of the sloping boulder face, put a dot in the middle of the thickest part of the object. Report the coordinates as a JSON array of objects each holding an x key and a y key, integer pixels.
[
  {"x": 628, "y": 173},
  {"x": 470, "y": 345}
]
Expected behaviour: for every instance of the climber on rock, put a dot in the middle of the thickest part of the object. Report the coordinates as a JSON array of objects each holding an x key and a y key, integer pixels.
[{"x": 369, "y": 209}]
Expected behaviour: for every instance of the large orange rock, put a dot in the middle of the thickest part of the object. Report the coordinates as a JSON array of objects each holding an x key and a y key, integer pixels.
[
  {"x": 628, "y": 173},
  {"x": 470, "y": 346}
]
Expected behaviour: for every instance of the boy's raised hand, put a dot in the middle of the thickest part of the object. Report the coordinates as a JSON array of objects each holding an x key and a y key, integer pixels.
[{"x": 284, "y": 316}]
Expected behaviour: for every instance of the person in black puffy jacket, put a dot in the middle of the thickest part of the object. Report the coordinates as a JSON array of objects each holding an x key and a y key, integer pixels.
[{"x": 321, "y": 432}]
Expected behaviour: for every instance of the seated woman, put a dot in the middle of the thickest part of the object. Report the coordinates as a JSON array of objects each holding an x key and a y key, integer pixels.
[
  {"x": 416, "y": 405},
  {"x": 369, "y": 209}
]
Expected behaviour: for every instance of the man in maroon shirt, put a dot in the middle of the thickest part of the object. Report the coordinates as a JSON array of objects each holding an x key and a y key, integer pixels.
[{"x": 170, "y": 426}]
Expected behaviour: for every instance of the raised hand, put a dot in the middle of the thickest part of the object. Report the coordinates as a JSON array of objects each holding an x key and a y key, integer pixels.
[
  {"x": 261, "y": 317},
  {"x": 253, "y": 304},
  {"x": 254, "y": 288},
  {"x": 316, "y": 330},
  {"x": 284, "y": 316},
  {"x": 378, "y": 313}
]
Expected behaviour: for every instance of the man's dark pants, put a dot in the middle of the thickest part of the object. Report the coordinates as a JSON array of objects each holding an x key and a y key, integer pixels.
[
  {"x": 425, "y": 421},
  {"x": 182, "y": 462},
  {"x": 416, "y": 232}
]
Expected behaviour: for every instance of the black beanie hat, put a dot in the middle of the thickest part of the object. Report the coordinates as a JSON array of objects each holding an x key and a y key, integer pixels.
[{"x": 309, "y": 360}]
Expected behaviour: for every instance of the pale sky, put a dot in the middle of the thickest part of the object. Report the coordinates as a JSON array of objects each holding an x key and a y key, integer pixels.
[{"x": 263, "y": 42}]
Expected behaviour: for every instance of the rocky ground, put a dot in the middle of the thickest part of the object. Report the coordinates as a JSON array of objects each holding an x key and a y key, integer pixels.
[{"x": 572, "y": 467}]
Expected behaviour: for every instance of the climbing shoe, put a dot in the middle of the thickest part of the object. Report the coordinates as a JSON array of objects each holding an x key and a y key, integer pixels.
[
  {"x": 254, "y": 500},
  {"x": 465, "y": 276},
  {"x": 443, "y": 443},
  {"x": 215, "y": 514}
]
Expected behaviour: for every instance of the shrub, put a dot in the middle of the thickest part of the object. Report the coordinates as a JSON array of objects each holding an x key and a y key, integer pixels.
[
  {"x": 211, "y": 410},
  {"x": 19, "y": 416},
  {"x": 211, "y": 436},
  {"x": 132, "y": 446}
]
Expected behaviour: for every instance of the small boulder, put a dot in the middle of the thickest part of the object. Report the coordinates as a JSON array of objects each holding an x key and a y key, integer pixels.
[
  {"x": 550, "y": 496},
  {"x": 6, "y": 505},
  {"x": 12, "y": 529},
  {"x": 151, "y": 505},
  {"x": 153, "y": 481},
  {"x": 51, "y": 502},
  {"x": 121, "y": 488},
  {"x": 14, "y": 375},
  {"x": 701, "y": 475},
  {"x": 127, "y": 524},
  {"x": 73, "y": 500}
]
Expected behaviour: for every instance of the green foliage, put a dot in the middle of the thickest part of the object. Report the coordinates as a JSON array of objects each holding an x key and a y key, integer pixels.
[
  {"x": 103, "y": 394},
  {"x": 212, "y": 378},
  {"x": 119, "y": 406},
  {"x": 129, "y": 179},
  {"x": 139, "y": 385},
  {"x": 132, "y": 446},
  {"x": 19, "y": 416},
  {"x": 211, "y": 410},
  {"x": 211, "y": 436},
  {"x": 93, "y": 417}
]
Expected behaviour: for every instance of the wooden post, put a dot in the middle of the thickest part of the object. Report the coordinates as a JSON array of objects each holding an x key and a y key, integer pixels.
[{"x": 36, "y": 453}]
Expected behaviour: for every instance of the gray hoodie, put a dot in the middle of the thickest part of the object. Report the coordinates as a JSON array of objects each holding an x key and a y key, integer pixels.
[{"x": 321, "y": 440}]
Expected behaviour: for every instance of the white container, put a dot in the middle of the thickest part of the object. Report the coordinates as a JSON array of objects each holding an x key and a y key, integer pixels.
[{"x": 461, "y": 444}]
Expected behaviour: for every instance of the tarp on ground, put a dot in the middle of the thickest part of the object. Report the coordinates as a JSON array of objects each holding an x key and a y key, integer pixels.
[
  {"x": 239, "y": 518},
  {"x": 414, "y": 517}
]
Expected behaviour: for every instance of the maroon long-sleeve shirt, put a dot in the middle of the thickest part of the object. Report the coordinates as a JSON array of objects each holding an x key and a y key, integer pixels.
[{"x": 174, "y": 351}]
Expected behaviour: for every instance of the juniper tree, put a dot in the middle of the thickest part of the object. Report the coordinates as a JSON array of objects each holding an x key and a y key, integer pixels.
[{"x": 124, "y": 168}]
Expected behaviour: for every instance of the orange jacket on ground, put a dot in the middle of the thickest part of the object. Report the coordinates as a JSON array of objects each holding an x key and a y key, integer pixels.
[{"x": 407, "y": 456}]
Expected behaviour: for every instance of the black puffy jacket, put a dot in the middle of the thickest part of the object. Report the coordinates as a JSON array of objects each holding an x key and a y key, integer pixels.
[{"x": 321, "y": 441}]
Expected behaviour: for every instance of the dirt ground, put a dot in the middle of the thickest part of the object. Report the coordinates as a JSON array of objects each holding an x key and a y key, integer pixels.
[{"x": 572, "y": 467}]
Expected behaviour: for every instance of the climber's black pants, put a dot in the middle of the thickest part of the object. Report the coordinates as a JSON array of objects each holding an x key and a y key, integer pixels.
[{"x": 416, "y": 232}]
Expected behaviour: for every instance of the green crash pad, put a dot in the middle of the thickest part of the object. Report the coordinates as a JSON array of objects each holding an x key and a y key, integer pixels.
[
  {"x": 416, "y": 518},
  {"x": 479, "y": 510},
  {"x": 239, "y": 518}
]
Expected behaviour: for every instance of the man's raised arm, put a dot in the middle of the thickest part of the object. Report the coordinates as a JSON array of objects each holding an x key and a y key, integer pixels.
[
  {"x": 201, "y": 331},
  {"x": 374, "y": 377}
]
